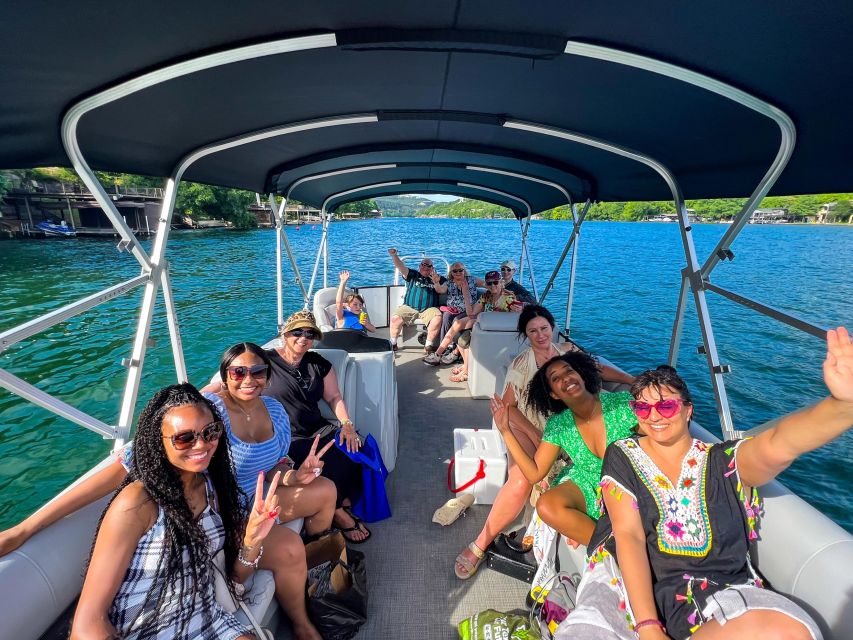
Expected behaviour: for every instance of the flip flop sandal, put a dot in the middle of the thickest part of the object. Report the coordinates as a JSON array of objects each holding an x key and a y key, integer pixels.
[
  {"x": 358, "y": 526},
  {"x": 460, "y": 377},
  {"x": 469, "y": 567},
  {"x": 452, "y": 509}
]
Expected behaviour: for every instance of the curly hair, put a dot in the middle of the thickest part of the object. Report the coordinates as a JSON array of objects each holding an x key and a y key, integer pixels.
[
  {"x": 538, "y": 395},
  {"x": 662, "y": 376},
  {"x": 184, "y": 534}
]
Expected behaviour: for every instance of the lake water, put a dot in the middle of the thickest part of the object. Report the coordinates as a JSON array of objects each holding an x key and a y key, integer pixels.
[{"x": 626, "y": 290}]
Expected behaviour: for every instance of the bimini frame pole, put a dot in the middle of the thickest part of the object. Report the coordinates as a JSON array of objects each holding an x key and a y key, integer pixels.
[
  {"x": 709, "y": 343},
  {"x": 573, "y": 236},
  {"x": 281, "y": 239},
  {"x": 576, "y": 233}
]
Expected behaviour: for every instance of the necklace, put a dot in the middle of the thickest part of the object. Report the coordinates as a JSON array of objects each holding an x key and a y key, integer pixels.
[
  {"x": 547, "y": 357},
  {"x": 591, "y": 414}
]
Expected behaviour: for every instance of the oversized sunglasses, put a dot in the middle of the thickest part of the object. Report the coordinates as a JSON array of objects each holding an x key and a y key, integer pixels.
[
  {"x": 506, "y": 269},
  {"x": 492, "y": 283},
  {"x": 666, "y": 408},
  {"x": 457, "y": 271},
  {"x": 304, "y": 333},
  {"x": 186, "y": 439},
  {"x": 258, "y": 372}
]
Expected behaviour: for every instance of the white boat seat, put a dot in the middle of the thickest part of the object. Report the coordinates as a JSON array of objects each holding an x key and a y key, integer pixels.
[
  {"x": 494, "y": 343},
  {"x": 323, "y": 300},
  {"x": 374, "y": 385}
]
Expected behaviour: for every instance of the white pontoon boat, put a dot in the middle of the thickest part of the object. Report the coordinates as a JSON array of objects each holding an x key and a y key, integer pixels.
[{"x": 529, "y": 105}]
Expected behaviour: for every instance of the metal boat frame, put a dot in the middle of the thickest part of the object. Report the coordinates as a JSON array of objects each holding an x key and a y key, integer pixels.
[{"x": 155, "y": 266}]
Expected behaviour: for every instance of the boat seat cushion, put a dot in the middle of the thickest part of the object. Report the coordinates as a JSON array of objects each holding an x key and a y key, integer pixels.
[
  {"x": 494, "y": 343},
  {"x": 374, "y": 385}
]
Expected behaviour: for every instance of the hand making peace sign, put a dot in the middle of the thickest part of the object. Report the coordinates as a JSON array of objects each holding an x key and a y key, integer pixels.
[
  {"x": 264, "y": 512},
  {"x": 312, "y": 466}
]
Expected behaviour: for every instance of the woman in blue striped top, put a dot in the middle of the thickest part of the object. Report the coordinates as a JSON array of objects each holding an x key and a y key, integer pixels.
[{"x": 259, "y": 437}]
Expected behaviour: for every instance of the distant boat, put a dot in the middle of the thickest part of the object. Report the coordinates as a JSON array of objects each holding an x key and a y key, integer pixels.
[{"x": 58, "y": 230}]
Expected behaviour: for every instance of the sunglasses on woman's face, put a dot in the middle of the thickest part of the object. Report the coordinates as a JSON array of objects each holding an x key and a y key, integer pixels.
[
  {"x": 304, "y": 333},
  {"x": 457, "y": 271},
  {"x": 666, "y": 408},
  {"x": 186, "y": 439},
  {"x": 258, "y": 372},
  {"x": 492, "y": 283}
]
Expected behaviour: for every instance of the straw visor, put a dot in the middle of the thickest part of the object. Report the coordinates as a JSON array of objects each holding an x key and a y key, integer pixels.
[{"x": 302, "y": 320}]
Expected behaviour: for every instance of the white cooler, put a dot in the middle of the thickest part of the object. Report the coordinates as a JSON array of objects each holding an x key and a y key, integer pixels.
[{"x": 471, "y": 447}]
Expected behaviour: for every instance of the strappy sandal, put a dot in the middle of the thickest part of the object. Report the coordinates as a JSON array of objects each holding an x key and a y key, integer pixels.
[
  {"x": 459, "y": 377},
  {"x": 469, "y": 567},
  {"x": 358, "y": 526}
]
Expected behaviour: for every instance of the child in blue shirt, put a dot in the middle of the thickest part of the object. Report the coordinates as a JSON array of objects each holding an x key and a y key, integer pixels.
[{"x": 350, "y": 312}]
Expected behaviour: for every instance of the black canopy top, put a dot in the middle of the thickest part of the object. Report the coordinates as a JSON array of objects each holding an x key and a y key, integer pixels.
[{"x": 441, "y": 79}]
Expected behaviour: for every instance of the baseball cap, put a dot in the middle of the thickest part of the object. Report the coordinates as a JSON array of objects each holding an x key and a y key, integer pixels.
[{"x": 509, "y": 263}]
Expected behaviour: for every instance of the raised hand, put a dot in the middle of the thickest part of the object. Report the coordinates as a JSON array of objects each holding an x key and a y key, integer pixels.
[
  {"x": 344, "y": 275},
  {"x": 392, "y": 252},
  {"x": 838, "y": 366},
  {"x": 264, "y": 512},
  {"x": 500, "y": 412},
  {"x": 436, "y": 278},
  {"x": 312, "y": 466}
]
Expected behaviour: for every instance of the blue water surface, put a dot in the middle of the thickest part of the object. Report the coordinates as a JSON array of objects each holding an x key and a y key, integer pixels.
[{"x": 627, "y": 286}]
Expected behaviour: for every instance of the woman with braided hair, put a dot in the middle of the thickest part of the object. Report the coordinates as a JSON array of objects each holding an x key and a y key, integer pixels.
[{"x": 150, "y": 574}]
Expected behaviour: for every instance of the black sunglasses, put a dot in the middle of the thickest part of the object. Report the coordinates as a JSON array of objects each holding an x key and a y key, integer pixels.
[
  {"x": 258, "y": 372},
  {"x": 186, "y": 439},
  {"x": 457, "y": 271},
  {"x": 426, "y": 264},
  {"x": 304, "y": 333},
  {"x": 506, "y": 269},
  {"x": 492, "y": 283}
]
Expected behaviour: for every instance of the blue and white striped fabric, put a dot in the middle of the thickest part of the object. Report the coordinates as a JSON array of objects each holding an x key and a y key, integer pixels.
[
  {"x": 164, "y": 623},
  {"x": 250, "y": 458}
]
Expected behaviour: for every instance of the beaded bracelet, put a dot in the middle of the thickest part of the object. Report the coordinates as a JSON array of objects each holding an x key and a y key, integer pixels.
[
  {"x": 650, "y": 622},
  {"x": 250, "y": 563}
]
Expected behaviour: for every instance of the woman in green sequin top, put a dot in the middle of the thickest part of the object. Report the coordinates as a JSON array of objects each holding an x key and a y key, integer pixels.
[{"x": 583, "y": 421}]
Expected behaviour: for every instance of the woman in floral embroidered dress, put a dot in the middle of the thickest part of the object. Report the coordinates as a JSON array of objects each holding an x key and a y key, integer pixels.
[{"x": 680, "y": 514}]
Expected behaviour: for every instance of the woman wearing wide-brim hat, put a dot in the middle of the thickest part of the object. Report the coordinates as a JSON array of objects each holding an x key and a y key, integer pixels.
[{"x": 299, "y": 379}]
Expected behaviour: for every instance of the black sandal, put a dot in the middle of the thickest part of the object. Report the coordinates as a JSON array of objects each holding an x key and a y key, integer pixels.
[{"x": 358, "y": 526}]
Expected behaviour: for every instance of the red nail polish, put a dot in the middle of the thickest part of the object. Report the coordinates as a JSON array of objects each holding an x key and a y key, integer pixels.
[{"x": 273, "y": 514}]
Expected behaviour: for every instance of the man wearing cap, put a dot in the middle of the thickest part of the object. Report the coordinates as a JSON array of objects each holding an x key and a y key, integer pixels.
[
  {"x": 420, "y": 300},
  {"x": 507, "y": 273}
]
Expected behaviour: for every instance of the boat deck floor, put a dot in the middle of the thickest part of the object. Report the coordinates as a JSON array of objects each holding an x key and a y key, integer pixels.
[{"x": 413, "y": 592}]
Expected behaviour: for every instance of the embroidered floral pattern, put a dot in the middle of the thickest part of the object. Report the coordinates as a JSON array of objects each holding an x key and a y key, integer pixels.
[{"x": 683, "y": 526}]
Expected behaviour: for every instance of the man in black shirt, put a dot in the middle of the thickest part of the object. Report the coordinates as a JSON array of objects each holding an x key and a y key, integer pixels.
[{"x": 507, "y": 272}]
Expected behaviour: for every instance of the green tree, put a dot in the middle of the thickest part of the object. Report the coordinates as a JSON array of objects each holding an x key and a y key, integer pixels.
[
  {"x": 842, "y": 211},
  {"x": 360, "y": 207},
  {"x": 202, "y": 201},
  {"x": 4, "y": 186}
]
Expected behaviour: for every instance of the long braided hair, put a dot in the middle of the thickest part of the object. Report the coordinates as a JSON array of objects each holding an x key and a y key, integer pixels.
[{"x": 184, "y": 535}]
